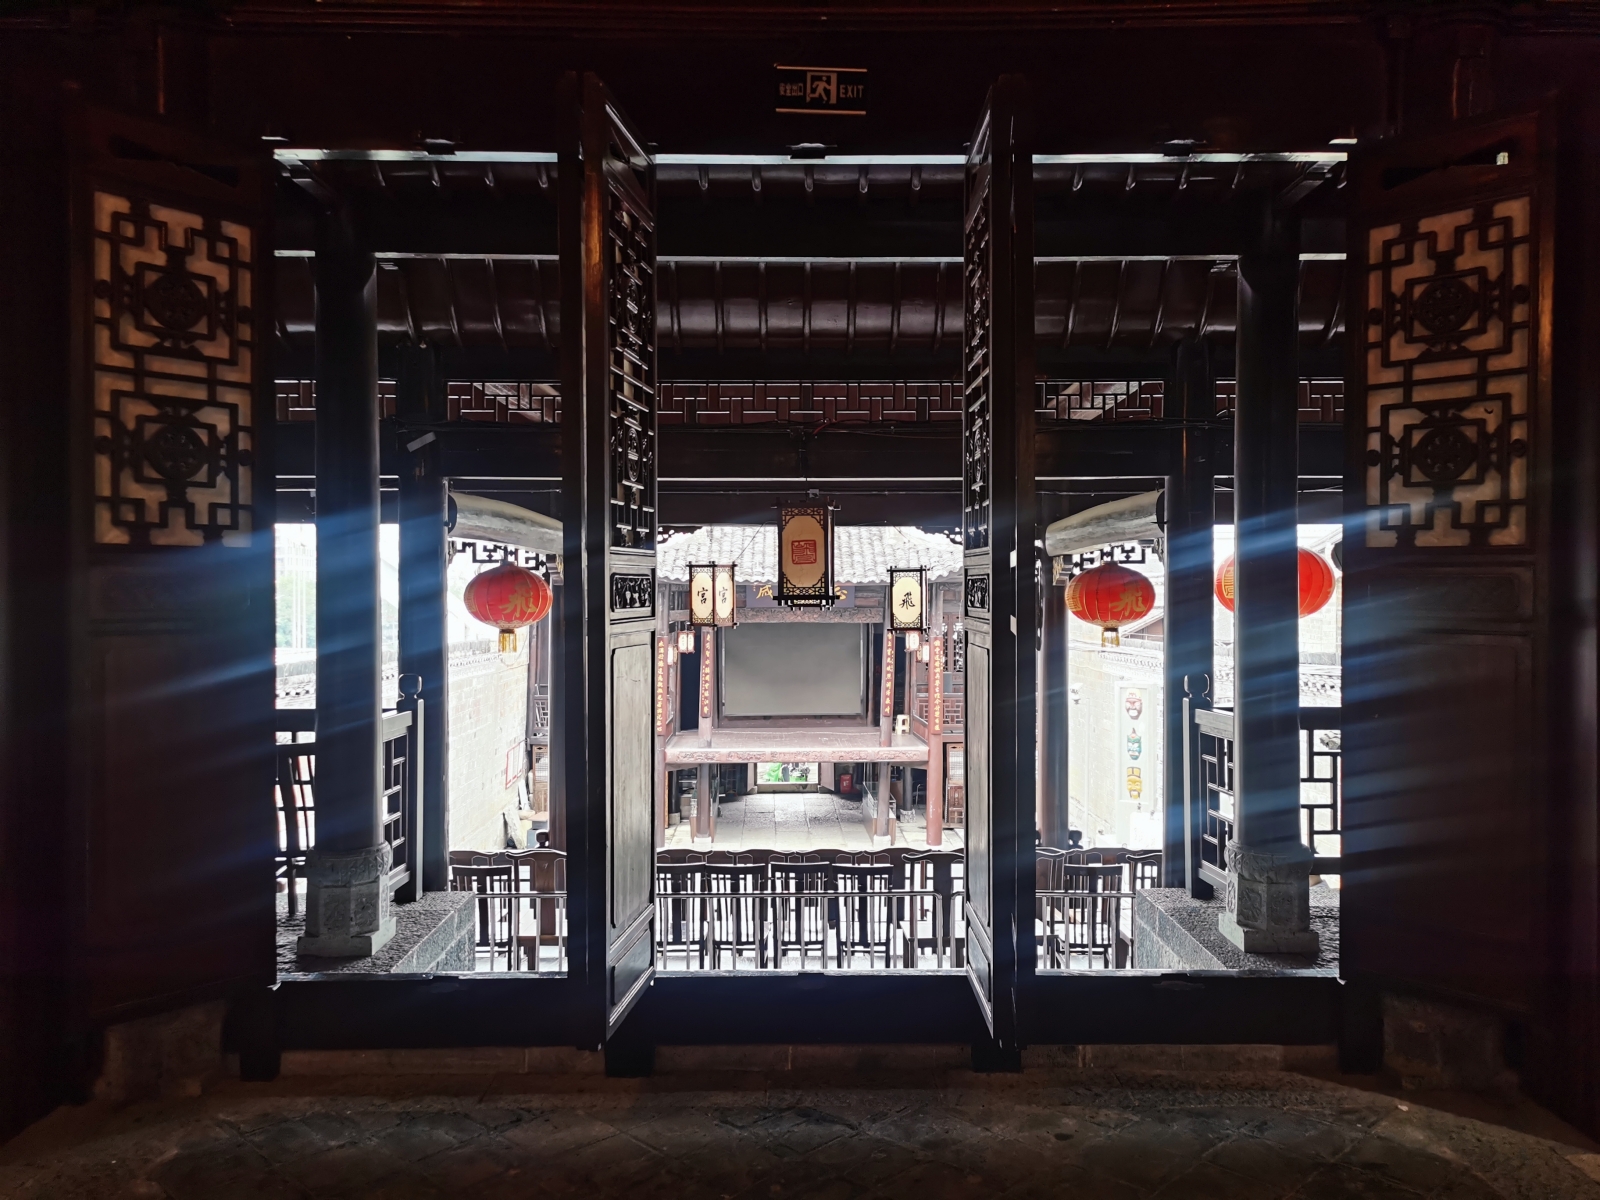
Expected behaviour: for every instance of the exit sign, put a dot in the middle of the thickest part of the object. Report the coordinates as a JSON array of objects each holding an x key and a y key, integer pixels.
[{"x": 840, "y": 91}]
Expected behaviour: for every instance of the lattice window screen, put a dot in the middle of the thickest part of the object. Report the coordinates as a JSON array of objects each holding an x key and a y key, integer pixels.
[
  {"x": 173, "y": 370},
  {"x": 1449, "y": 360}
]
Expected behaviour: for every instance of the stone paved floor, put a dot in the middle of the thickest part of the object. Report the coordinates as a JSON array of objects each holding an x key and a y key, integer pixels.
[
  {"x": 1106, "y": 1136},
  {"x": 802, "y": 821}
]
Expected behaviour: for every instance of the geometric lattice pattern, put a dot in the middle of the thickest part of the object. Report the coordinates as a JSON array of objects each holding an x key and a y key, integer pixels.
[
  {"x": 977, "y": 429},
  {"x": 631, "y": 302},
  {"x": 173, "y": 372},
  {"x": 1449, "y": 366}
]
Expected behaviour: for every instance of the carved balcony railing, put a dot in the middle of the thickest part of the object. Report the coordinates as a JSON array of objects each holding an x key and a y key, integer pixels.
[
  {"x": 400, "y": 786},
  {"x": 1209, "y": 786}
]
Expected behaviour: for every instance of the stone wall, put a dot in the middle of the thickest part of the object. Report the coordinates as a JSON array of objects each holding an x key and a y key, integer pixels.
[{"x": 488, "y": 725}]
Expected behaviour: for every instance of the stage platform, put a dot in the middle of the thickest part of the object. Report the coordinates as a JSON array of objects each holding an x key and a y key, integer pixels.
[{"x": 791, "y": 744}]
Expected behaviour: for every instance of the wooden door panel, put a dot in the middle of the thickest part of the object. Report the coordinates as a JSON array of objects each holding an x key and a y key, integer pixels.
[
  {"x": 1447, "y": 870},
  {"x": 997, "y": 533},
  {"x": 632, "y": 835},
  {"x": 176, "y": 632},
  {"x": 1447, "y": 518},
  {"x": 609, "y": 514}
]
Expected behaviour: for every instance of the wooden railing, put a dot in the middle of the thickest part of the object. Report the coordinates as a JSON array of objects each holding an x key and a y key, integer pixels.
[
  {"x": 294, "y": 793},
  {"x": 1210, "y": 788}
]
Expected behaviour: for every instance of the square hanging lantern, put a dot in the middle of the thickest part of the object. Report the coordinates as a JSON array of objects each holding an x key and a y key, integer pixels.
[
  {"x": 724, "y": 600},
  {"x": 702, "y": 594},
  {"x": 805, "y": 555},
  {"x": 672, "y": 652},
  {"x": 908, "y": 603},
  {"x": 686, "y": 641},
  {"x": 925, "y": 654}
]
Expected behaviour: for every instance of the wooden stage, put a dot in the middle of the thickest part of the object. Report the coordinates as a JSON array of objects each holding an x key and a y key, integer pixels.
[{"x": 795, "y": 744}]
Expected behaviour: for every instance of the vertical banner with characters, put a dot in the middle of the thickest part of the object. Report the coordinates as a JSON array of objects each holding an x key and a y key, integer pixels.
[
  {"x": 707, "y": 666},
  {"x": 663, "y": 693}
]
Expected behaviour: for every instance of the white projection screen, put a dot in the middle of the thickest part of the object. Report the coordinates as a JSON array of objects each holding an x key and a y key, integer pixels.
[{"x": 792, "y": 670}]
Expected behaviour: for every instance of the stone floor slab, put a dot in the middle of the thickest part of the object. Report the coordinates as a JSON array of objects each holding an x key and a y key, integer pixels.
[{"x": 1112, "y": 1136}]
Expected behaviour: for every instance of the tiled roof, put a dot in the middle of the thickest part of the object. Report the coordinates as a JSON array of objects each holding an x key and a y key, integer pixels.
[{"x": 861, "y": 553}]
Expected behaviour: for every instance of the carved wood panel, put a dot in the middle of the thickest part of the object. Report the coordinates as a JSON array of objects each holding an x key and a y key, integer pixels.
[
  {"x": 631, "y": 319},
  {"x": 1449, "y": 374},
  {"x": 977, "y": 428},
  {"x": 173, "y": 367}
]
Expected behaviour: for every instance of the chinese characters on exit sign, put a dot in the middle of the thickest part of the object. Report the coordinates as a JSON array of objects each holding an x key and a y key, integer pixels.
[{"x": 840, "y": 91}]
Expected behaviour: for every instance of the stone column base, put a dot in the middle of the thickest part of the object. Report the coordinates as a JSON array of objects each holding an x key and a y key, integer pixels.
[
  {"x": 349, "y": 907},
  {"x": 1268, "y": 902}
]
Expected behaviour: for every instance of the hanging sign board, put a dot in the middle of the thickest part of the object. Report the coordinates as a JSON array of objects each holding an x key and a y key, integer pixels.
[
  {"x": 907, "y": 589},
  {"x": 724, "y": 596},
  {"x": 832, "y": 91},
  {"x": 702, "y": 588},
  {"x": 805, "y": 555}
]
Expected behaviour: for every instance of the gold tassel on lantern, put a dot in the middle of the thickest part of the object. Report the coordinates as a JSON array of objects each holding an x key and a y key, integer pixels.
[{"x": 508, "y": 641}]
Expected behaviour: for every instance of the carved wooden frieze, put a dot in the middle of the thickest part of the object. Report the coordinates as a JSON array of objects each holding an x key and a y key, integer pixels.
[{"x": 633, "y": 594}]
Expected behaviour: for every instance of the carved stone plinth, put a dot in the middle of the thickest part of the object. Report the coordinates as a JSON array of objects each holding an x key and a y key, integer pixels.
[
  {"x": 349, "y": 908},
  {"x": 1268, "y": 902}
]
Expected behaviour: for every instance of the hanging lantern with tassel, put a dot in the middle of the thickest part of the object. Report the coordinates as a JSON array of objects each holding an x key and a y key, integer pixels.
[
  {"x": 509, "y": 597},
  {"x": 1110, "y": 596},
  {"x": 1316, "y": 582}
]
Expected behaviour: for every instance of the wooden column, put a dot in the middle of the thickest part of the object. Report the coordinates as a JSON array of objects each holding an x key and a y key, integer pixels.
[
  {"x": 704, "y": 827},
  {"x": 348, "y": 902},
  {"x": 1191, "y": 397},
  {"x": 424, "y": 592},
  {"x": 708, "y": 683},
  {"x": 1268, "y": 867},
  {"x": 1053, "y": 806}
]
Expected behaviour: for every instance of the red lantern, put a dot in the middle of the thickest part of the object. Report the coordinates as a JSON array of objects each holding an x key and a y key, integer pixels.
[
  {"x": 1110, "y": 596},
  {"x": 508, "y": 597},
  {"x": 1316, "y": 582}
]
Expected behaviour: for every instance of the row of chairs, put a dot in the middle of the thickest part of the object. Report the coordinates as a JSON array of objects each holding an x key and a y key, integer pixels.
[
  {"x": 1083, "y": 908},
  {"x": 522, "y": 905},
  {"x": 889, "y": 909},
  {"x": 894, "y": 907}
]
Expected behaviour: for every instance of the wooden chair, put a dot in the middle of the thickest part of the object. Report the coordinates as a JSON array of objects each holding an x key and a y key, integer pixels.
[
  {"x": 680, "y": 918},
  {"x": 865, "y": 912},
  {"x": 1089, "y": 919},
  {"x": 543, "y": 873},
  {"x": 294, "y": 797},
  {"x": 935, "y": 871},
  {"x": 799, "y": 911},
  {"x": 491, "y": 881},
  {"x": 1144, "y": 869},
  {"x": 737, "y": 911}
]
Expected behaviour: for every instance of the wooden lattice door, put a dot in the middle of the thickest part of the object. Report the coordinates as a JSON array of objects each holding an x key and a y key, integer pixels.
[
  {"x": 175, "y": 629},
  {"x": 608, "y": 260},
  {"x": 998, "y": 536},
  {"x": 1448, "y": 519}
]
